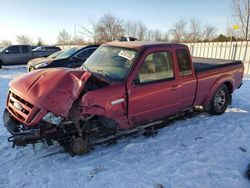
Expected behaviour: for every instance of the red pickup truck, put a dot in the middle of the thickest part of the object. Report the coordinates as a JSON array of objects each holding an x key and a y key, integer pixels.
[{"x": 122, "y": 86}]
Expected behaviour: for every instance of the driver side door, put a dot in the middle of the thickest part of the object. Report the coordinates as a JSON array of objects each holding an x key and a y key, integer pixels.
[{"x": 155, "y": 92}]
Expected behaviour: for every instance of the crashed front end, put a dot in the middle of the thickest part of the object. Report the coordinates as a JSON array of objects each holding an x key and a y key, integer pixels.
[
  {"x": 21, "y": 134},
  {"x": 17, "y": 116},
  {"x": 33, "y": 97}
]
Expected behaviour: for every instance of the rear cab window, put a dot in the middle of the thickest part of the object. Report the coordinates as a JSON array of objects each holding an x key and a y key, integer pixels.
[
  {"x": 157, "y": 66},
  {"x": 184, "y": 62}
]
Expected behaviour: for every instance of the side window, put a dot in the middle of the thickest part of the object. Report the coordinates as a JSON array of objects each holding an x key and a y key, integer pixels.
[
  {"x": 156, "y": 66},
  {"x": 184, "y": 62},
  {"x": 25, "y": 49},
  {"x": 50, "y": 48},
  {"x": 83, "y": 54},
  {"x": 13, "y": 50},
  {"x": 91, "y": 51}
]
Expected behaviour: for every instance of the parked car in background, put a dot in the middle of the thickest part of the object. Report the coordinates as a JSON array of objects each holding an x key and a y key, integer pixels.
[
  {"x": 18, "y": 54},
  {"x": 41, "y": 60},
  {"x": 71, "y": 58},
  {"x": 15, "y": 54},
  {"x": 45, "y": 51}
]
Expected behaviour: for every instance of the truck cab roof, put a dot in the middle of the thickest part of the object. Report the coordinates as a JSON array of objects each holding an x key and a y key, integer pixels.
[{"x": 144, "y": 44}]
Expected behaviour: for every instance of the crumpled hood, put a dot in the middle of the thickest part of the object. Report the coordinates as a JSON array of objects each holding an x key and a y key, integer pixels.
[
  {"x": 40, "y": 60},
  {"x": 54, "y": 90}
]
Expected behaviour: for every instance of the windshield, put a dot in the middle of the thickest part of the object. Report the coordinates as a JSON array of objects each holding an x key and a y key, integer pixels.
[
  {"x": 55, "y": 54},
  {"x": 111, "y": 62},
  {"x": 67, "y": 53}
]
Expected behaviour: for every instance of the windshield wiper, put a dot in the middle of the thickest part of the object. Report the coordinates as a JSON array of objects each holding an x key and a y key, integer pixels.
[
  {"x": 107, "y": 73},
  {"x": 105, "y": 76}
]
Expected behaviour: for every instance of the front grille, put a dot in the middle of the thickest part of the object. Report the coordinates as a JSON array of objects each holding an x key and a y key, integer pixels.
[
  {"x": 16, "y": 114},
  {"x": 21, "y": 109},
  {"x": 22, "y": 101}
]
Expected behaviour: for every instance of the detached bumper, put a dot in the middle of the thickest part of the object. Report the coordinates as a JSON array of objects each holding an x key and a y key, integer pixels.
[{"x": 19, "y": 137}]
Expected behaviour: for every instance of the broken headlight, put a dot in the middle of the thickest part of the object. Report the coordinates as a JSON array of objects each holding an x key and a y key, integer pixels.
[{"x": 52, "y": 118}]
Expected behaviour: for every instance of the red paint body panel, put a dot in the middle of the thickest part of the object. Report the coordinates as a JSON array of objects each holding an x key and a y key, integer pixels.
[
  {"x": 209, "y": 81},
  {"x": 99, "y": 102},
  {"x": 128, "y": 104},
  {"x": 52, "y": 90}
]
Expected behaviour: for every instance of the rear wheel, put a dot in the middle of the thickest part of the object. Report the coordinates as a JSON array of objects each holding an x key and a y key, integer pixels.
[{"x": 220, "y": 100}]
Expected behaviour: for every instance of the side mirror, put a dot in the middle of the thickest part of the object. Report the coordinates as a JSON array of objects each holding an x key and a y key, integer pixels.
[{"x": 136, "y": 81}]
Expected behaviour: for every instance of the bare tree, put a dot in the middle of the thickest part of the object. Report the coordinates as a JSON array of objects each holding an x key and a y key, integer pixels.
[
  {"x": 178, "y": 31},
  {"x": 78, "y": 40},
  {"x": 4, "y": 43},
  {"x": 109, "y": 28},
  {"x": 194, "y": 33},
  {"x": 63, "y": 37},
  {"x": 160, "y": 36},
  {"x": 150, "y": 35},
  {"x": 241, "y": 12},
  {"x": 209, "y": 33},
  {"x": 136, "y": 29},
  {"x": 23, "y": 39},
  {"x": 157, "y": 35},
  {"x": 39, "y": 41},
  {"x": 91, "y": 33},
  {"x": 131, "y": 29},
  {"x": 142, "y": 30}
]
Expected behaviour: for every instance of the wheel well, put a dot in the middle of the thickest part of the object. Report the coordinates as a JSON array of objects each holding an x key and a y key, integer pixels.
[
  {"x": 104, "y": 122},
  {"x": 229, "y": 86}
]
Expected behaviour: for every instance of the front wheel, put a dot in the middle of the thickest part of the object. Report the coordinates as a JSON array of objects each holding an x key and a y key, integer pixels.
[
  {"x": 220, "y": 101},
  {"x": 75, "y": 146}
]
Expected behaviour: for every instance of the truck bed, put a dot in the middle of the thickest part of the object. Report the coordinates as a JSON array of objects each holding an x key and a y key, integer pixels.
[{"x": 205, "y": 64}]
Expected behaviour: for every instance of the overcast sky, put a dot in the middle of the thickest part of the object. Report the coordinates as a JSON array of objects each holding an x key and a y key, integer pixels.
[{"x": 45, "y": 18}]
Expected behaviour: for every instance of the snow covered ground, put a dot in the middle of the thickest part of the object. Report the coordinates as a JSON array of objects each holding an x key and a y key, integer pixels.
[{"x": 205, "y": 151}]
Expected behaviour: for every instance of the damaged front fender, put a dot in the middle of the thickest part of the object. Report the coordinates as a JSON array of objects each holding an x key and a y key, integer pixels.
[
  {"x": 54, "y": 90},
  {"x": 111, "y": 102}
]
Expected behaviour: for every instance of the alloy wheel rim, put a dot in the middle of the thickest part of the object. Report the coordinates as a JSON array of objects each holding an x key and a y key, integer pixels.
[{"x": 220, "y": 99}]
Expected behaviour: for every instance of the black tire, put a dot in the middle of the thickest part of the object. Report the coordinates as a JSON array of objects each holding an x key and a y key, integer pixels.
[
  {"x": 76, "y": 146},
  {"x": 220, "y": 100},
  {"x": 1, "y": 64},
  {"x": 248, "y": 171}
]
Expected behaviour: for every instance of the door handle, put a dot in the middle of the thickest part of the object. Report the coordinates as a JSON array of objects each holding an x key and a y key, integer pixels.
[{"x": 175, "y": 87}]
